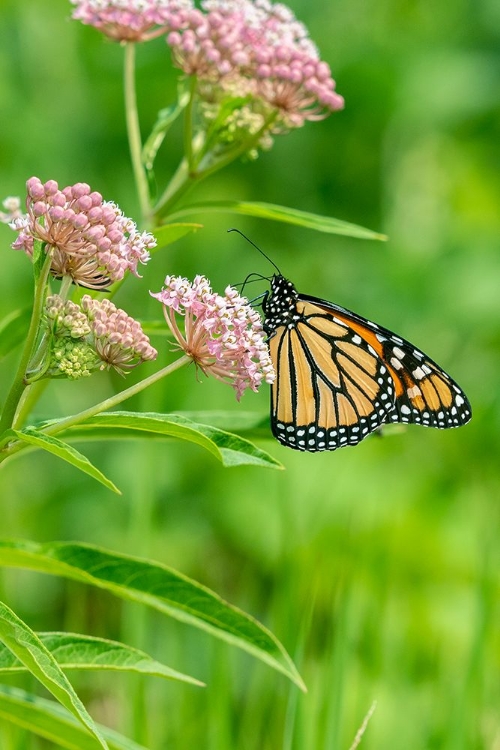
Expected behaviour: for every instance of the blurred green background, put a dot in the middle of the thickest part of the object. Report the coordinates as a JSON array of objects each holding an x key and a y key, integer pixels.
[{"x": 377, "y": 567}]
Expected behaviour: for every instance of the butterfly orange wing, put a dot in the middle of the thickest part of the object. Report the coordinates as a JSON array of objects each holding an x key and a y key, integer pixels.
[{"x": 340, "y": 377}]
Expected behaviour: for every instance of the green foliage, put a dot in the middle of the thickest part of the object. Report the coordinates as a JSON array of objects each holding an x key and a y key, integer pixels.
[
  {"x": 377, "y": 567},
  {"x": 157, "y": 586},
  {"x": 50, "y": 721},
  {"x": 75, "y": 651},
  {"x": 35, "y": 656},
  {"x": 230, "y": 449},
  {"x": 293, "y": 216},
  {"x": 62, "y": 450}
]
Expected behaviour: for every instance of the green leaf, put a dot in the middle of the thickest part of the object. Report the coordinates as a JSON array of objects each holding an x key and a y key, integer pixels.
[
  {"x": 242, "y": 421},
  {"x": 39, "y": 258},
  {"x": 47, "y": 719},
  {"x": 28, "y": 648},
  {"x": 75, "y": 651},
  {"x": 169, "y": 233},
  {"x": 64, "y": 451},
  {"x": 157, "y": 586},
  {"x": 13, "y": 329},
  {"x": 166, "y": 117},
  {"x": 230, "y": 449},
  {"x": 282, "y": 213}
]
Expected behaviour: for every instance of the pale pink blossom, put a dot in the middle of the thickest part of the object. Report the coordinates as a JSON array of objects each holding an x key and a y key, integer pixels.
[
  {"x": 257, "y": 49},
  {"x": 90, "y": 240},
  {"x": 133, "y": 20},
  {"x": 95, "y": 335},
  {"x": 117, "y": 339},
  {"x": 223, "y": 335}
]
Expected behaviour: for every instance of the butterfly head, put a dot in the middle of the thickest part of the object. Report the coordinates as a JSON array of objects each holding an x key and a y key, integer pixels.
[{"x": 280, "y": 304}]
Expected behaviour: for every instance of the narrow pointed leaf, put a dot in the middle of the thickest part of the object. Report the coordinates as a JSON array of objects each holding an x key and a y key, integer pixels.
[
  {"x": 65, "y": 452},
  {"x": 253, "y": 422},
  {"x": 282, "y": 213},
  {"x": 49, "y": 720},
  {"x": 39, "y": 258},
  {"x": 166, "y": 118},
  {"x": 230, "y": 449},
  {"x": 75, "y": 651},
  {"x": 169, "y": 233},
  {"x": 156, "y": 585},
  {"x": 28, "y": 648}
]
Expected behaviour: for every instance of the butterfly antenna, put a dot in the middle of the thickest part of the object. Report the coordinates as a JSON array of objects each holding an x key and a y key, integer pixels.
[{"x": 257, "y": 248}]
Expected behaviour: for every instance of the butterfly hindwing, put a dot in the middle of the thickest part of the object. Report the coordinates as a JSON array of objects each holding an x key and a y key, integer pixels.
[{"x": 340, "y": 377}]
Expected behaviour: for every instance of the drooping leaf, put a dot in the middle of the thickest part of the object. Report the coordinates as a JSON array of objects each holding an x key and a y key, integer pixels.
[
  {"x": 49, "y": 720},
  {"x": 28, "y": 648},
  {"x": 76, "y": 651},
  {"x": 230, "y": 449},
  {"x": 256, "y": 423},
  {"x": 64, "y": 451},
  {"x": 156, "y": 585},
  {"x": 164, "y": 121},
  {"x": 282, "y": 213}
]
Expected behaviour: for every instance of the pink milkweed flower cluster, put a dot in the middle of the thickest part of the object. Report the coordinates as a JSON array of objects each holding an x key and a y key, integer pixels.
[
  {"x": 90, "y": 240},
  {"x": 95, "y": 335},
  {"x": 118, "y": 339},
  {"x": 132, "y": 20},
  {"x": 222, "y": 334},
  {"x": 258, "y": 50}
]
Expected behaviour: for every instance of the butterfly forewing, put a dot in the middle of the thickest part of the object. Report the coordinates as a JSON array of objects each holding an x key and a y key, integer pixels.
[
  {"x": 339, "y": 376},
  {"x": 332, "y": 389}
]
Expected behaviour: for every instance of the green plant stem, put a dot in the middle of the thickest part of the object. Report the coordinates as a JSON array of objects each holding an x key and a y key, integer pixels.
[
  {"x": 55, "y": 427},
  {"x": 112, "y": 401},
  {"x": 19, "y": 384},
  {"x": 65, "y": 287},
  {"x": 185, "y": 178},
  {"x": 134, "y": 132},
  {"x": 188, "y": 124},
  {"x": 29, "y": 398}
]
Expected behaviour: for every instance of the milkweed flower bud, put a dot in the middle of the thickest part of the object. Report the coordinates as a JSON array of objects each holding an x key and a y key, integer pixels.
[
  {"x": 94, "y": 336},
  {"x": 90, "y": 240},
  {"x": 66, "y": 318},
  {"x": 133, "y": 20},
  {"x": 222, "y": 334},
  {"x": 118, "y": 339},
  {"x": 72, "y": 360}
]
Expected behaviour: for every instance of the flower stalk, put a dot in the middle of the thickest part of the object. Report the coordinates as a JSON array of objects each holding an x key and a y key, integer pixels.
[
  {"x": 134, "y": 132},
  {"x": 64, "y": 424},
  {"x": 19, "y": 384}
]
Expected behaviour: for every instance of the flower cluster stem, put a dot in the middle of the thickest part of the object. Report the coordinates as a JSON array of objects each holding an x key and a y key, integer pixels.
[
  {"x": 19, "y": 384},
  {"x": 134, "y": 132},
  {"x": 112, "y": 401},
  {"x": 185, "y": 178},
  {"x": 55, "y": 427}
]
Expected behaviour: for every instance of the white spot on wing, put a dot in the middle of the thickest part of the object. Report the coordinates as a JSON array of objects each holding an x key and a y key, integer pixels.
[{"x": 396, "y": 363}]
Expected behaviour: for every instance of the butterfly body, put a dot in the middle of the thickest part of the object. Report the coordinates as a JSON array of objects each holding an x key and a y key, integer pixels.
[{"x": 340, "y": 376}]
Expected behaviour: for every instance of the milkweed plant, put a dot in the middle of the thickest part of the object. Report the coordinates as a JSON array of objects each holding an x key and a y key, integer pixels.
[{"x": 248, "y": 73}]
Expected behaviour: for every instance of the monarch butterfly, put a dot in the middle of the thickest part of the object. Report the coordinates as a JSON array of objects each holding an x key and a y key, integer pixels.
[{"x": 339, "y": 376}]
